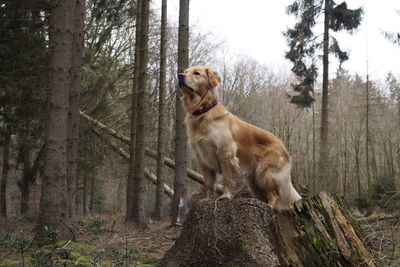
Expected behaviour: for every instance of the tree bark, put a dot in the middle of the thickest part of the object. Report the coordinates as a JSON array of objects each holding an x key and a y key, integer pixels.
[
  {"x": 26, "y": 180},
  {"x": 4, "y": 174},
  {"x": 134, "y": 101},
  {"x": 138, "y": 186},
  {"x": 52, "y": 210},
  {"x": 74, "y": 102},
  {"x": 161, "y": 140},
  {"x": 245, "y": 232},
  {"x": 178, "y": 211},
  {"x": 323, "y": 151}
]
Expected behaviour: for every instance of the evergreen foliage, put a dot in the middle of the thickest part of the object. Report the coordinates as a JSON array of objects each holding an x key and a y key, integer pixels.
[{"x": 304, "y": 43}]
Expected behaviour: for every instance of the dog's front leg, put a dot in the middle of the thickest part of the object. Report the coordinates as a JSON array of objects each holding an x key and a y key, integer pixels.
[
  {"x": 230, "y": 168},
  {"x": 210, "y": 179}
]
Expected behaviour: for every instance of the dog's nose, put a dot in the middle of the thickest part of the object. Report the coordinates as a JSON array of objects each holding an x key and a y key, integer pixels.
[{"x": 181, "y": 76}]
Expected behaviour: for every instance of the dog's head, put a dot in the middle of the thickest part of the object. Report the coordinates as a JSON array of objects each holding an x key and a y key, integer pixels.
[{"x": 199, "y": 87}]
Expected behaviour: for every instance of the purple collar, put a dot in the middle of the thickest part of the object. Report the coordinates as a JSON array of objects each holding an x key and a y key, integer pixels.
[{"x": 205, "y": 109}]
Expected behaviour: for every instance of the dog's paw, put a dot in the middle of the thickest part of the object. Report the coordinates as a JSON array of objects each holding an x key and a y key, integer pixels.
[{"x": 226, "y": 195}]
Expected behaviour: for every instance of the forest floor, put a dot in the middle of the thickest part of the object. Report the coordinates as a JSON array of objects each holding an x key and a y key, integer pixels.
[
  {"x": 100, "y": 241},
  {"x": 108, "y": 241}
]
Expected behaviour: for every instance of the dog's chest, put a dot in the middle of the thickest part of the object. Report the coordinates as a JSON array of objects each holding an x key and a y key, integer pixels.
[{"x": 209, "y": 145}]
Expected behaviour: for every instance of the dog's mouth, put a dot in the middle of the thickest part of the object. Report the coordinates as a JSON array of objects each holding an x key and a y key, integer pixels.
[{"x": 185, "y": 87}]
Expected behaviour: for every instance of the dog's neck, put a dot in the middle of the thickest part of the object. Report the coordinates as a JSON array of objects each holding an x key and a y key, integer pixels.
[{"x": 205, "y": 109}]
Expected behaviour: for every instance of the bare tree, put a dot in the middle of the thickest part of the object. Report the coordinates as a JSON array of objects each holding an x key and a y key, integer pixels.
[
  {"x": 133, "y": 119},
  {"x": 138, "y": 186},
  {"x": 161, "y": 146},
  {"x": 177, "y": 203}
]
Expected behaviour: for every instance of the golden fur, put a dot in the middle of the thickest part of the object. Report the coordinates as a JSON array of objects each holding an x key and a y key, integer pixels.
[{"x": 223, "y": 143}]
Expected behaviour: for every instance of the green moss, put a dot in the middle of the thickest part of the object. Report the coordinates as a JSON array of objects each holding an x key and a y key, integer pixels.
[
  {"x": 146, "y": 262},
  {"x": 397, "y": 251},
  {"x": 9, "y": 262},
  {"x": 84, "y": 249},
  {"x": 324, "y": 247}
]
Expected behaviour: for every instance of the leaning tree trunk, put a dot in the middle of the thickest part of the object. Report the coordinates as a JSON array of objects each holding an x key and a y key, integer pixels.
[{"x": 245, "y": 232}]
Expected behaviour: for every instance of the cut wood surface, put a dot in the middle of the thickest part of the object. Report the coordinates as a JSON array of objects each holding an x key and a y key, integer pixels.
[{"x": 245, "y": 232}]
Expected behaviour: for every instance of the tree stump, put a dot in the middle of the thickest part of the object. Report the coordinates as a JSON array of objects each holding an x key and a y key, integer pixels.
[{"x": 246, "y": 232}]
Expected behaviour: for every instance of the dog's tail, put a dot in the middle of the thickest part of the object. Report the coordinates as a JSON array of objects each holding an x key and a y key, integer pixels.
[{"x": 287, "y": 195}]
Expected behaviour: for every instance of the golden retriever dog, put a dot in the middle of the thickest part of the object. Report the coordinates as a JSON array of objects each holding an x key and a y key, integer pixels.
[{"x": 224, "y": 144}]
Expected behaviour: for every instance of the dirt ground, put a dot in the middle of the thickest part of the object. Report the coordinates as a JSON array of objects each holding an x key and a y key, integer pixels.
[{"x": 108, "y": 241}]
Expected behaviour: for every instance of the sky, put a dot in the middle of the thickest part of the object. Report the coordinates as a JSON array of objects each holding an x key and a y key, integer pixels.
[{"x": 254, "y": 28}]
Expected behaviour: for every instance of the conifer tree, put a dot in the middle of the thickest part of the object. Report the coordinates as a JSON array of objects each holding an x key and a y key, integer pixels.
[{"x": 305, "y": 44}]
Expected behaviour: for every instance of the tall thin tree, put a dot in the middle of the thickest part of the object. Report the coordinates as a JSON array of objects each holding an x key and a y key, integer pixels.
[
  {"x": 138, "y": 186},
  {"x": 4, "y": 172},
  {"x": 134, "y": 103},
  {"x": 161, "y": 142},
  {"x": 177, "y": 204},
  {"x": 74, "y": 99},
  {"x": 52, "y": 210},
  {"x": 303, "y": 46}
]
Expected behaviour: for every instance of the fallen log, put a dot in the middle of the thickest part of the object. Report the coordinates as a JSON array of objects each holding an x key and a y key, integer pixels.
[
  {"x": 125, "y": 155},
  {"x": 245, "y": 232},
  {"x": 195, "y": 176}
]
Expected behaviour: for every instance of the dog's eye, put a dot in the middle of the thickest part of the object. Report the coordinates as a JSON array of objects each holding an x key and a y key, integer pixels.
[{"x": 196, "y": 73}]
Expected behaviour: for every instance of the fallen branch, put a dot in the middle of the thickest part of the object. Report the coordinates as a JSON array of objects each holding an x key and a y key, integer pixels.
[
  {"x": 125, "y": 155},
  {"x": 195, "y": 176}
]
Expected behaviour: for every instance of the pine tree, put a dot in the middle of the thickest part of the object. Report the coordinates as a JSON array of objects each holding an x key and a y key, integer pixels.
[
  {"x": 304, "y": 45},
  {"x": 53, "y": 207}
]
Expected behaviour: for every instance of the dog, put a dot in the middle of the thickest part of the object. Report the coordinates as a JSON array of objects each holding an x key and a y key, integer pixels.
[{"x": 224, "y": 144}]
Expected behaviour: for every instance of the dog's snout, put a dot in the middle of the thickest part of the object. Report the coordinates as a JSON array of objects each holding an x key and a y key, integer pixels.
[{"x": 181, "y": 77}]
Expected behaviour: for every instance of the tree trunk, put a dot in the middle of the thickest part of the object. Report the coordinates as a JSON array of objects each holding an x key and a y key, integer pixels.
[
  {"x": 74, "y": 101},
  {"x": 92, "y": 190},
  {"x": 4, "y": 174},
  {"x": 132, "y": 143},
  {"x": 138, "y": 186},
  {"x": 178, "y": 211},
  {"x": 84, "y": 193},
  {"x": 323, "y": 151},
  {"x": 25, "y": 183},
  {"x": 52, "y": 210},
  {"x": 245, "y": 232},
  {"x": 161, "y": 141},
  {"x": 367, "y": 145}
]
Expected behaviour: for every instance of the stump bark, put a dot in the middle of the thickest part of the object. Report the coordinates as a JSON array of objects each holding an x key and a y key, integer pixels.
[{"x": 246, "y": 232}]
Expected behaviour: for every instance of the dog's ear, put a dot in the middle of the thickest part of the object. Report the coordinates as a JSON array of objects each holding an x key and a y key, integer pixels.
[{"x": 213, "y": 78}]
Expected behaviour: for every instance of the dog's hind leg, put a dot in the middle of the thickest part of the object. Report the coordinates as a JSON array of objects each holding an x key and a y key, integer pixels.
[{"x": 258, "y": 192}]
